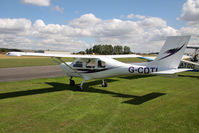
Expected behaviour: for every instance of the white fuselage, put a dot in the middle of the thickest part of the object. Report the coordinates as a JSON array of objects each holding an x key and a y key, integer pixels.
[{"x": 113, "y": 68}]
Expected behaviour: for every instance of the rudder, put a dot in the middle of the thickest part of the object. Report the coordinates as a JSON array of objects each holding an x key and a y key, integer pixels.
[{"x": 171, "y": 53}]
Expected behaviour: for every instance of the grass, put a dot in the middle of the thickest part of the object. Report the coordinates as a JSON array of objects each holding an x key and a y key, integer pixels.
[
  {"x": 131, "y": 60},
  {"x": 30, "y": 61},
  {"x": 9, "y": 62},
  {"x": 129, "y": 104}
]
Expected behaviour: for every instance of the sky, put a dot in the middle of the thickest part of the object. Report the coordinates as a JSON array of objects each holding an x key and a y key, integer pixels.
[{"x": 74, "y": 25}]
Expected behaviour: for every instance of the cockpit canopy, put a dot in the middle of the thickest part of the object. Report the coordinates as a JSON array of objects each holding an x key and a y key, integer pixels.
[{"x": 89, "y": 63}]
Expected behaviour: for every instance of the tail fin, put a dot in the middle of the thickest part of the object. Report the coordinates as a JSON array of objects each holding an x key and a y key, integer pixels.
[{"x": 172, "y": 52}]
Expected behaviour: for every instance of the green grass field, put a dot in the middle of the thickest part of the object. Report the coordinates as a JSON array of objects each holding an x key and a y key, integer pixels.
[
  {"x": 22, "y": 62},
  {"x": 137, "y": 104}
]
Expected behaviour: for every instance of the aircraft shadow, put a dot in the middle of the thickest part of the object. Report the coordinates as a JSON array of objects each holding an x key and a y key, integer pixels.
[
  {"x": 136, "y": 100},
  {"x": 56, "y": 87},
  {"x": 190, "y": 76},
  {"x": 59, "y": 87},
  {"x": 98, "y": 82},
  {"x": 142, "y": 99}
]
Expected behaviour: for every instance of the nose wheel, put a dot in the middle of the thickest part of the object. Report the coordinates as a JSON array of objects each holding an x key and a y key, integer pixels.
[
  {"x": 72, "y": 82},
  {"x": 104, "y": 83}
]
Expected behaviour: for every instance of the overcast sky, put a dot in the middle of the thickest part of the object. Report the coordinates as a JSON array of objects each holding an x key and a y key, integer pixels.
[{"x": 74, "y": 25}]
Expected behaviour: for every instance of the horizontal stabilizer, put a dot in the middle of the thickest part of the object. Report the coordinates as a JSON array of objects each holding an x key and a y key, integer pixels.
[
  {"x": 147, "y": 58},
  {"x": 151, "y": 58},
  {"x": 171, "y": 71}
]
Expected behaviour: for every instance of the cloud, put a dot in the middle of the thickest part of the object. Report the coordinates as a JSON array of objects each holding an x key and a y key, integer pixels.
[
  {"x": 190, "y": 12},
  {"x": 144, "y": 35},
  {"x": 44, "y": 3},
  {"x": 137, "y": 16},
  {"x": 140, "y": 16},
  {"x": 86, "y": 20},
  {"x": 37, "y": 2},
  {"x": 130, "y": 16},
  {"x": 58, "y": 9},
  {"x": 18, "y": 24},
  {"x": 14, "y": 26}
]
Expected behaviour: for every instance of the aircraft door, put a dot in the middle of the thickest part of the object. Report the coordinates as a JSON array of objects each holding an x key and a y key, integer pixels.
[{"x": 101, "y": 64}]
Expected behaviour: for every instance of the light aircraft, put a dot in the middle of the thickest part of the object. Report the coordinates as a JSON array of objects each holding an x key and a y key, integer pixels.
[
  {"x": 194, "y": 58},
  {"x": 193, "y": 64},
  {"x": 103, "y": 66}
]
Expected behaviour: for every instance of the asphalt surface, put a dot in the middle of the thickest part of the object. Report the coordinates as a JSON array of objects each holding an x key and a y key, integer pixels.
[{"x": 26, "y": 73}]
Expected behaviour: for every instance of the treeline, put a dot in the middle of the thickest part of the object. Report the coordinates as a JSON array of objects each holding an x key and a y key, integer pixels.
[
  {"x": 108, "y": 50},
  {"x": 4, "y": 50}
]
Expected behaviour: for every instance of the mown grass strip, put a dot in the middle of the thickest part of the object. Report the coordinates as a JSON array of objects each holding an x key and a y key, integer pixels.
[{"x": 128, "y": 104}]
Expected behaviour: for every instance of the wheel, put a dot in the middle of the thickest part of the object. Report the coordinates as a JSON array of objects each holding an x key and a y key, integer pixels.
[
  {"x": 81, "y": 88},
  {"x": 104, "y": 83},
  {"x": 72, "y": 82},
  {"x": 81, "y": 85}
]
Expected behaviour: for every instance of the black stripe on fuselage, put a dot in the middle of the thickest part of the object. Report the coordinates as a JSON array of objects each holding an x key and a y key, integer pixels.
[{"x": 93, "y": 70}]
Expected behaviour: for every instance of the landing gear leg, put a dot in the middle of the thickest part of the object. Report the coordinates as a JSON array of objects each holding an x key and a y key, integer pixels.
[
  {"x": 72, "y": 82},
  {"x": 104, "y": 83},
  {"x": 81, "y": 85}
]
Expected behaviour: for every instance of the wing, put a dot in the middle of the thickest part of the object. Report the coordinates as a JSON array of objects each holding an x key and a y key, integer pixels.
[{"x": 70, "y": 55}]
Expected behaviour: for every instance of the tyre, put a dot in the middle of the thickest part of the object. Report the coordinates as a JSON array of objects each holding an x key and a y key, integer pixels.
[{"x": 72, "y": 83}]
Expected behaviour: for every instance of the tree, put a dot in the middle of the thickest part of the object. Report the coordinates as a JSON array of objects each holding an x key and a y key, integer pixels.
[
  {"x": 118, "y": 49},
  {"x": 115, "y": 50},
  {"x": 127, "y": 50},
  {"x": 87, "y": 51},
  {"x": 97, "y": 49},
  {"x": 90, "y": 51},
  {"x": 108, "y": 49}
]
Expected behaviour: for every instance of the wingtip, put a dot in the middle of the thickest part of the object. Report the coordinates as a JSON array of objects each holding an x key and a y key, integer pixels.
[{"x": 13, "y": 54}]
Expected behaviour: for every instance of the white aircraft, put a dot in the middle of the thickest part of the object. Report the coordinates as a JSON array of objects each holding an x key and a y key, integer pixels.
[
  {"x": 103, "y": 66},
  {"x": 194, "y": 58},
  {"x": 194, "y": 63},
  {"x": 189, "y": 64}
]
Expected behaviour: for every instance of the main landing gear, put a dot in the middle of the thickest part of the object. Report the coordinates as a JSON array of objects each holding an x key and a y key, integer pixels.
[
  {"x": 72, "y": 83},
  {"x": 104, "y": 83},
  {"x": 81, "y": 85}
]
